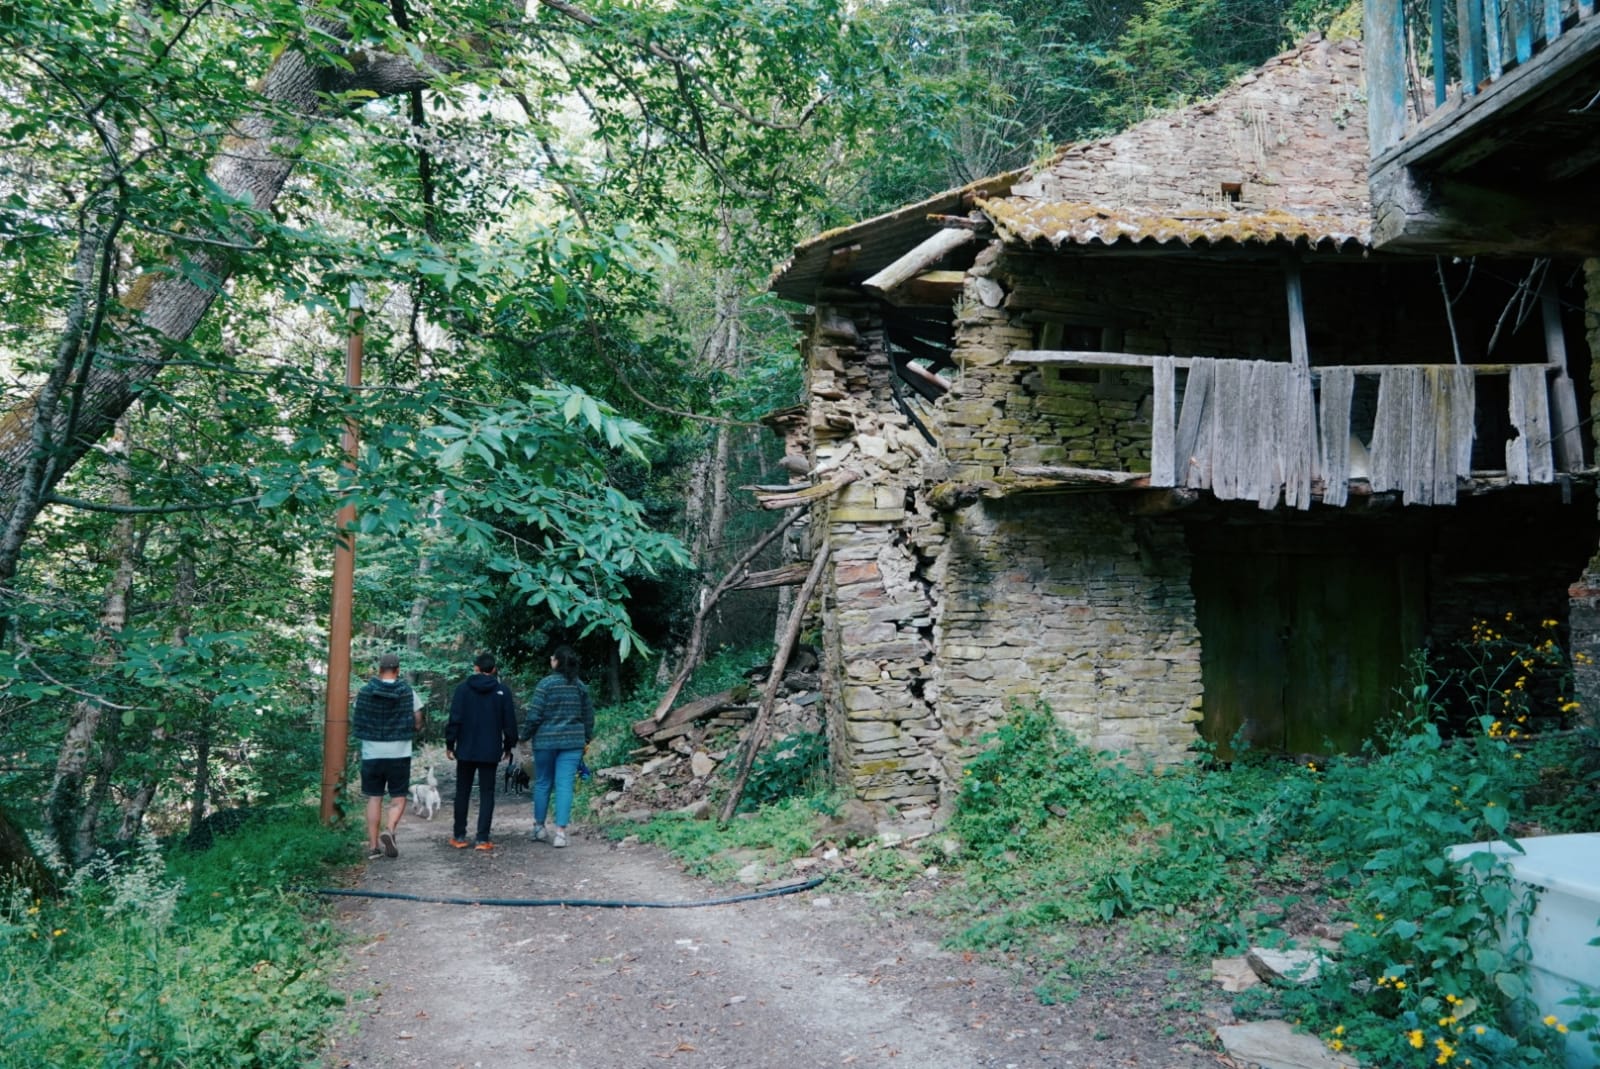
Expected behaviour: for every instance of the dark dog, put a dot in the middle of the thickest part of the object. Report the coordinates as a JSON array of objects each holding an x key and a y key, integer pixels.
[{"x": 516, "y": 776}]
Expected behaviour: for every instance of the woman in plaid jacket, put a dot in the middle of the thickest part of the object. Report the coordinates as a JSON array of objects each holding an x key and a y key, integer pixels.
[{"x": 560, "y": 723}]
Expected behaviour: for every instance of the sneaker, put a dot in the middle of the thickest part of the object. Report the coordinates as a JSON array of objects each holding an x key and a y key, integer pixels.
[
  {"x": 560, "y": 837},
  {"x": 386, "y": 840},
  {"x": 374, "y": 854},
  {"x": 483, "y": 844},
  {"x": 538, "y": 833},
  {"x": 460, "y": 844}
]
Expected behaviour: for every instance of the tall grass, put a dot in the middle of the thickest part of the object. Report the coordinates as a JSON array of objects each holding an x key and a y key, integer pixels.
[{"x": 194, "y": 959}]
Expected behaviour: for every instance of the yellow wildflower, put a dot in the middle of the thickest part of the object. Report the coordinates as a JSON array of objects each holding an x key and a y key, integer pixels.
[{"x": 1414, "y": 1037}]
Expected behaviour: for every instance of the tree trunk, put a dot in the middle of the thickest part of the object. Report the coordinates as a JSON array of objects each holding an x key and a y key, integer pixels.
[
  {"x": 18, "y": 861},
  {"x": 42, "y": 438},
  {"x": 64, "y": 808},
  {"x": 185, "y": 585},
  {"x": 202, "y": 777}
]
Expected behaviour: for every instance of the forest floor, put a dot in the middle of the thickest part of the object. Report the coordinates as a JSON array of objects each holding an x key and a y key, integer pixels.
[{"x": 840, "y": 975}]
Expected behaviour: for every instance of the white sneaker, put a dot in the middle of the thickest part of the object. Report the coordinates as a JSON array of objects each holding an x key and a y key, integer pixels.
[
  {"x": 560, "y": 837},
  {"x": 537, "y": 834}
]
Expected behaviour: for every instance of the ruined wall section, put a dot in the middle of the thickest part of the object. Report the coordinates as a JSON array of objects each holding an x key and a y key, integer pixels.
[
  {"x": 1584, "y": 595},
  {"x": 885, "y": 736},
  {"x": 1065, "y": 598}
]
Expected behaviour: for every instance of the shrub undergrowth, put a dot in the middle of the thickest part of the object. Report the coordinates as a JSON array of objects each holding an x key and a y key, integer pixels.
[
  {"x": 1057, "y": 838},
  {"x": 206, "y": 959}
]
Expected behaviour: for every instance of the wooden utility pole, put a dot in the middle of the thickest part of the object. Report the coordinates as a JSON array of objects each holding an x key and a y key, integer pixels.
[{"x": 336, "y": 720}]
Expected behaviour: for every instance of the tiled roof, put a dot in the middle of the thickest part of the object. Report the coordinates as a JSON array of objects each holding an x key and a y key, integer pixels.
[{"x": 1057, "y": 224}]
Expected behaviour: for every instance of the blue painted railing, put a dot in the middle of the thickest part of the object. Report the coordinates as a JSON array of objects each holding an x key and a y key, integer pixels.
[{"x": 1468, "y": 44}]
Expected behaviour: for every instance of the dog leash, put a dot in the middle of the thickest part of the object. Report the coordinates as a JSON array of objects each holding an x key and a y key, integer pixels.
[{"x": 574, "y": 903}]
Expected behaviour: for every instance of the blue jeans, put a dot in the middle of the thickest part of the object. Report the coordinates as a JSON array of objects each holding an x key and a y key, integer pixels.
[{"x": 555, "y": 769}]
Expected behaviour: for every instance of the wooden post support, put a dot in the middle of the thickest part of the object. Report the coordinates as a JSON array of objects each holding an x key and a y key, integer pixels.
[
  {"x": 1299, "y": 352},
  {"x": 1563, "y": 400},
  {"x": 336, "y": 715},
  {"x": 769, "y": 693}
]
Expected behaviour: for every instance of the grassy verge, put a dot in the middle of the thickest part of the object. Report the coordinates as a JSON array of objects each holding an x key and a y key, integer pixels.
[
  {"x": 197, "y": 959},
  {"x": 1065, "y": 848}
]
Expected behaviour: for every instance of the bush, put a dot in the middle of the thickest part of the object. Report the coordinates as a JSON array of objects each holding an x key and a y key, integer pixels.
[
  {"x": 210, "y": 962},
  {"x": 774, "y": 833}
]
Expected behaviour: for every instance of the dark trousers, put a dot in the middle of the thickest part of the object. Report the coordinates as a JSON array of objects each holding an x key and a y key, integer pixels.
[{"x": 485, "y": 771}]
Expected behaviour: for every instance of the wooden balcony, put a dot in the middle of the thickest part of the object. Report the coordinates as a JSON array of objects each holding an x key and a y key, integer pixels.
[
  {"x": 1271, "y": 432},
  {"x": 1484, "y": 125}
]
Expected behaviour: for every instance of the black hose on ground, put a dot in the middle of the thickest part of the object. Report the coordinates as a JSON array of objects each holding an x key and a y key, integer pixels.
[{"x": 574, "y": 903}]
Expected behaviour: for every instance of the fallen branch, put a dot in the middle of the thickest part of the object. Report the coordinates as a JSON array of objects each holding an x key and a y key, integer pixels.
[
  {"x": 769, "y": 693},
  {"x": 691, "y": 651}
]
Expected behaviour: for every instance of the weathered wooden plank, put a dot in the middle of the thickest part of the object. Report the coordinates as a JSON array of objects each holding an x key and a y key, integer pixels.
[
  {"x": 1081, "y": 476},
  {"x": 1226, "y": 429},
  {"x": 1491, "y": 38},
  {"x": 1191, "y": 448},
  {"x": 1379, "y": 369},
  {"x": 1163, "y": 425},
  {"x": 1552, "y": 20},
  {"x": 1087, "y": 358},
  {"x": 1521, "y": 26},
  {"x": 1441, "y": 388},
  {"x": 1260, "y": 475},
  {"x": 1528, "y": 455},
  {"x": 1441, "y": 68},
  {"x": 1299, "y": 353},
  {"x": 926, "y": 254},
  {"x": 1334, "y": 423},
  {"x": 1564, "y": 419},
  {"x": 1463, "y": 421},
  {"x": 1469, "y": 29},
  {"x": 1585, "y": 8},
  {"x": 1301, "y": 439},
  {"x": 1384, "y": 46},
  {"x": 1417, "y": 488},
  {"x": 788, "y": 575}
]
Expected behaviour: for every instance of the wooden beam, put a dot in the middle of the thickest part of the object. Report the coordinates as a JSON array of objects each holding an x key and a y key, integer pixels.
[
  {"x": 809, "y": 495},
  {"x": 1082, "y": 476},
  {"x": 921, "y": 258},
  {"x": 1078, "y": 358},
  {"x": 788, "y": 575},
  {"x": 931, "y": 288},
  {"x": 1564, "y": 419},
  {"x": 1299, "y": 354}
]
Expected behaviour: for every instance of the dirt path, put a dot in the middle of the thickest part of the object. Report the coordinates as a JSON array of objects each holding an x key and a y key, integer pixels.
[{"x": 823, "y": 978}]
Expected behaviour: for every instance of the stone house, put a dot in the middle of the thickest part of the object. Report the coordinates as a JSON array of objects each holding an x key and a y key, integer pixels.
[{"x": 1155, "y": 435}]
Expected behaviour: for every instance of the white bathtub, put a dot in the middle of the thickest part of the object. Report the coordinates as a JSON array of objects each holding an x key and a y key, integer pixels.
[{"x": 1564, "y": 871}]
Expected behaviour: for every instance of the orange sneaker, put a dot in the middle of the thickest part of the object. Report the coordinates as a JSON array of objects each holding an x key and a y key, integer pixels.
[
  {"x": 460, "y": 844},
  {"x": 483, "y": 844}
]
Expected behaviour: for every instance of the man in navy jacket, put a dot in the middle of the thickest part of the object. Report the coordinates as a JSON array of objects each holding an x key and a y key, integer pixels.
[{"x": 482, "y": 729}]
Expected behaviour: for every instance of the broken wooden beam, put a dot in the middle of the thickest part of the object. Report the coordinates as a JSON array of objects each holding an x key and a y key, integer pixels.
[
  {"x": 1082, "y": 476},
  {"x": 687, "y": 713},
  {"x": 920, "y": 259},
  {"x": 788, "y": 575},
  {"x": 810, "y": 495}
]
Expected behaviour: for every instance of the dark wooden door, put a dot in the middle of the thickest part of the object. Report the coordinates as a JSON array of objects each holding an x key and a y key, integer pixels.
[{"x": 1303, "y": 652}]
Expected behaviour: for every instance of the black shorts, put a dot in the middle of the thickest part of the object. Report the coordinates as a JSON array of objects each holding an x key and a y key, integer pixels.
[{"x": 393, "y": 773}]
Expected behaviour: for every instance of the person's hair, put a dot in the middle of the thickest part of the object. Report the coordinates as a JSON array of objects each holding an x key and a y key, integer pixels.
[
  {"x": 485, "y": 662},
  {"x": 566, "y": 662}
]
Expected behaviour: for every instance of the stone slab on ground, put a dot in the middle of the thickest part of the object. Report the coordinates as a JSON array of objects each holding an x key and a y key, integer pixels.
[
  {"x": 1276, "y": 1045},
  {"x": 1286, "y": 966},
  {"x": 1234, "y": 974}
]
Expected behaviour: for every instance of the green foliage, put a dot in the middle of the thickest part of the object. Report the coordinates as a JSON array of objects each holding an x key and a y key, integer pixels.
[
  {"x": 209, "y": 963},
  {"x": 792, "y": 766},
  {"x": 1057, "y": 838},
  {"x": 775, "y": 832}
]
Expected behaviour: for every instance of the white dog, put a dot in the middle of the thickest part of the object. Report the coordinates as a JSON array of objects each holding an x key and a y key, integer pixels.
[{"x": 425, "y": 796}]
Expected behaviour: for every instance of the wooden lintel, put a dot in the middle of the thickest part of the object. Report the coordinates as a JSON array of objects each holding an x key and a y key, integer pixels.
[{"x": 922, "y": 258}]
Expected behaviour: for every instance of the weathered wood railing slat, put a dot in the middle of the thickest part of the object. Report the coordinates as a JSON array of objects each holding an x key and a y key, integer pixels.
[
  {"x": 1273, "y": 432},
  {"x": 1491, "y": 37}
]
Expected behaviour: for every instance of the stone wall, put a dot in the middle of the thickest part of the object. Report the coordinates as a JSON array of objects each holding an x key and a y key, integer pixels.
[
  {"x": 1066, "y": 599},
  {"x": 1584, "y": 595}
]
